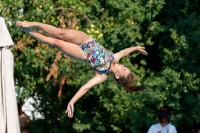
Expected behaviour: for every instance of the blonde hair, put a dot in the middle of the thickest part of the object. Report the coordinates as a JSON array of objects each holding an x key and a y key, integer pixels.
[{"x": 127, "y": 81}]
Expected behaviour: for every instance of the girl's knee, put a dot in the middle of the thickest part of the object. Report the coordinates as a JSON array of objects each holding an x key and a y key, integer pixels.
[
  {"x": 55, "y": 42},
  {"x": 61, "y": 33}
]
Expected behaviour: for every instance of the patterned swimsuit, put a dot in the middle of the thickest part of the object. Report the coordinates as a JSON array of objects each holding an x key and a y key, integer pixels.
[{"x": 98, "y": 57}]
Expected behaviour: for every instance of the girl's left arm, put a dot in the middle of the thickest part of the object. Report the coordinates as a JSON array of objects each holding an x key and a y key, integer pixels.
[
  {"x": 127, "y": 51},
  {"x": 97, "y": 79}
]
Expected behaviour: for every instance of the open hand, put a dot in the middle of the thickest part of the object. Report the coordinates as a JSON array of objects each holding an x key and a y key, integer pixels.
[
  {"x": 141, "y": 50},
  {"x": 70, "y": 110}
]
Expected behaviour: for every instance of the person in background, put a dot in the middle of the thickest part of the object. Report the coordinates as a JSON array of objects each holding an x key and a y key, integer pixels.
[
  {"x": 163, "y": 125},
  {"x": 23, "y": 120}
]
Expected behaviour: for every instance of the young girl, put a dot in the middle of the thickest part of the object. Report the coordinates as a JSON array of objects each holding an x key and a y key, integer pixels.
[
  {"x": 81, "y": 46},
  {"x": 163, "y": 125}
]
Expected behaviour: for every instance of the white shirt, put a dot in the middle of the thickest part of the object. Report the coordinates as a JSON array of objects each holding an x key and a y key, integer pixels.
[{"x": 166, "y": 129}]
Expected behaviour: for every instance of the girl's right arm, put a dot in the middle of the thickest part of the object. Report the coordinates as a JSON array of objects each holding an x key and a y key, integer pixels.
[
  {"x": 99, "y": 78},
  {"x": 127, "y": 51}
]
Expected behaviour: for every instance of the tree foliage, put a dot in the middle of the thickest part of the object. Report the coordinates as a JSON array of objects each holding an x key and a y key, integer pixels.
[{"x": 170, "y": 32}]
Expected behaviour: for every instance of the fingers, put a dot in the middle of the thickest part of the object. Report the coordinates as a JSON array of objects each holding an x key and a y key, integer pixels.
[
  {"x": 70, "y": 110},
  {"x": 69, "y": 113},
  {"x": 144, "y": 52}
]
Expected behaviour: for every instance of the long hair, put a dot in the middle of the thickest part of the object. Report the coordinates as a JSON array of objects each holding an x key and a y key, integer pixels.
[{"x": 127, "y": 81}]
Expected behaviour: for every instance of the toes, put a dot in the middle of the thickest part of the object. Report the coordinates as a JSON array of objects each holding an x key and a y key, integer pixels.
[{"x": 19, "y": 23}]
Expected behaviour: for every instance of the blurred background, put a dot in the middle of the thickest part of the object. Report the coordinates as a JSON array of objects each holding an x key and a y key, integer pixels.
[{"x": 46, "y": 79}]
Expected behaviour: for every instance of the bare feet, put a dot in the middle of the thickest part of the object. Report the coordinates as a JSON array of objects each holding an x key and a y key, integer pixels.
[
  {"x": 25, "y": 24},
  {"x": 19, "y": 24}
]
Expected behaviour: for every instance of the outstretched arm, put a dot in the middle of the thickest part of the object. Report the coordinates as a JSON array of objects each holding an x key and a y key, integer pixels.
[
  {"x": 99, "y": 78},
  {"x": 127, "y": 51}
]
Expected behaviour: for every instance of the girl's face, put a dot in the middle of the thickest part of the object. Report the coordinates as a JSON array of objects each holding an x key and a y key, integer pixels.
[
  {"x": 121, "y": 71},
  {"x": 164, "y": 122}
]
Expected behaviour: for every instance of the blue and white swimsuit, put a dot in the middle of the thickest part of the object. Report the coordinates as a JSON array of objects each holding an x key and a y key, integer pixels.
[{"x": 98, "y": 57}]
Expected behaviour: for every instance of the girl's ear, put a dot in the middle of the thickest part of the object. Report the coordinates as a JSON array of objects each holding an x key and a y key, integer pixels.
[{"x": 116, "y": 76}]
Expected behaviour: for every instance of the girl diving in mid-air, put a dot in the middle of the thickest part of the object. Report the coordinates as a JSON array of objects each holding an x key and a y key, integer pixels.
[{"x": 81, "y": 46}]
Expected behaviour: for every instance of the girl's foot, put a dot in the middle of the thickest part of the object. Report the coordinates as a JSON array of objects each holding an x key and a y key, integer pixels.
[
  {"x": 19, "y": 24},
  {"x": 26, "y": 24}
]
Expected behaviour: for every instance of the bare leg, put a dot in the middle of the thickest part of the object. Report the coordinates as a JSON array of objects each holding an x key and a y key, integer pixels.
[
  {"x": 68, "y": 48},
  {"x": 73, "y": 36}
]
